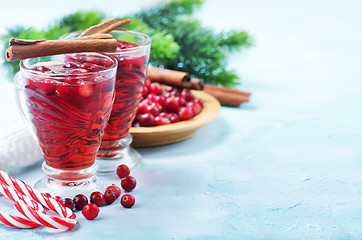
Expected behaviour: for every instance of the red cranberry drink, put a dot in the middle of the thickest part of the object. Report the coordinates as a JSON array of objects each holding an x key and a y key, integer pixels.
[
  {"x": 67, "y": 102},
  {"x": 132, "y": 55}
]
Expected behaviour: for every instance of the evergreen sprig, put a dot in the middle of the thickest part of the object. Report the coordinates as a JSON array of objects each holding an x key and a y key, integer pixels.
[{"x": 179, "y": 41}]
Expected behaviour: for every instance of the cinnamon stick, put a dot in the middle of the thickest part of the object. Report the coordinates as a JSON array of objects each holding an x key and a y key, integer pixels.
[
  {"x": 106, "y": 26},
  {"x": 197, "y": 84},
  {"x": 169, "y": 77},
  {"x": 227, "y": 98},
  {"x": 21, "y": 49},
  {"x": 226, "y": 89}
]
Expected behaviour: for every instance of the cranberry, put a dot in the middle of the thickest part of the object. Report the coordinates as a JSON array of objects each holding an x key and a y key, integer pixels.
[
  {"x": 143, "y": 106},
  {"x": 85, "y": 90},
  {"x": 110, "y": 196},
  {"x": 136, "y": 124},
  {"x": 106, "y": 62},
  {"x": 162, "y": 121},
  {"x": 70, "y": 65},
  {"x": 41, "y": 69},
  {"x": 90, "y": 211},
  {"x": 80, "y": 201},
  {"x": 97, "y": 198},
  {"x": 128, "y": 183},
  {"x": 154, "y": 108},
  {"x": 199, "y": 101},
  {"x": 176, "y": 91},
  {"x": 145, "y": 91},
  {"x": 58, "y": 199},
  {"x": 163, "y": 114},
  {"x": 187, "y": 94},
  {"x": 123, "y": 171},
  {"x": 159, "y": 99},
  {"x": 127, "y": 200},
  {"x": 77, "y": 71},
  {"x": 196, "y": 108},
  {"x": 85, "y": 65},
  {"x": 171, "y": 105},
  {"x": 155, "y": 88},
  {"x": 174, "y": 117},
  {"x": 145, "y": 119},
  {"x": 64, "y": 91},
  {"x": 147, "y": 82},
  {"x": 181, "y": 101},
  {"x": 67, "y": 202},
  {"x": 48, "y": 87},
  {"x": 186, "y": 113},
  {"x": 114, "y": 189}
]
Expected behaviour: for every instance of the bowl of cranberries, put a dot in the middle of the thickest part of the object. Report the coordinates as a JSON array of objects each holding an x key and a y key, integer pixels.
[{"x": 169, "y": 114}]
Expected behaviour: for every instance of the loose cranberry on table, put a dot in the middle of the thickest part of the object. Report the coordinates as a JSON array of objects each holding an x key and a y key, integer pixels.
[
  {"x": 114, "y": 189},
  {"x": 128, "y": 201},
  {"x": 80, "y": 201},
  {"x": 67, "y": 202},
  {"x": 97, "y": 198},
  {"x": 110, "y": 196},
  {"x": 90, "y": 211},
  {"x": 128, "y": 183},
  {"x": 123, "y": 171}
]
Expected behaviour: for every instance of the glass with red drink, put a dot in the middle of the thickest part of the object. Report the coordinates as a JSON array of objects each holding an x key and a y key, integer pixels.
[
  {"x": 132, "y": 55},
  {"x": 67, "y": 101}
]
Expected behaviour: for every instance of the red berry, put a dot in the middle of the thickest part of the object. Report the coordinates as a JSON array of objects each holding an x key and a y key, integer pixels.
[
  {"x": 64, "y": 91},
  {"x": 155, "y": 88},
  {"x": 106, "y": 62},
  {"x": 181, "y": 101},
  {"x": 80, "y": 201},
  {"x": 186, "y": 113},
  {"x": 145, "y": 91},
  {"x": 147, "y": 82},
  {"x": 174, "y": 117},
  {"x": 127, "y": 200},
  {"x": 90, "y": 211},
  {"x": 97, "y": 198},
  {"x": 162, "y": 121},
  {"x": 145, "y": 119},
  {"x": 199, "y": 101},
  {"x": 176, "y": 91},
  {"x": 171, "y": 105},
  {"x": 85, "y": 65},
  {"x": 196, "y": 108},
  {"x": 48, "y": 87},
  {"x": 187, "y": 94},
  {"x": 41, "y": 69},
  {"x": 67, "y": 202},
  {"x": 128, "y": 183},
  {"x": 58, "y": 199},
  {"x": 110, "y": 196},
  {"x": 114, "y": 189},
  {"x": 85, "y": 90},
  {"x": 123, "y": 171},
  {"x": 70, "y": 65}
]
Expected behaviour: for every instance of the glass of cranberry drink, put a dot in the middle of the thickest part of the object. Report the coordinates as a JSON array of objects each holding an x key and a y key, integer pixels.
[
  {"x": 66, "y": 101},
  {"x": 132, "y": 55}
]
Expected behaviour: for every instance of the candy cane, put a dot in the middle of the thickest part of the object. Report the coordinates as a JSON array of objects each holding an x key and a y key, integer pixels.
[
  {"x": 37, "y": 196},
  {"x": 30, "y": 210},
  {"x": 15, "y": 221},
  {"x": 43, "y": 219}
]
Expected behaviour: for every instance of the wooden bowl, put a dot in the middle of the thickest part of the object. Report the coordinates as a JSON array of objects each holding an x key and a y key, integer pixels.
[{"x": 175, "y": 132}]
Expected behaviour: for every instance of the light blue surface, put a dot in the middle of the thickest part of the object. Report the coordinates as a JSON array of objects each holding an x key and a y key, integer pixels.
[{"x": 287, "y": 165}]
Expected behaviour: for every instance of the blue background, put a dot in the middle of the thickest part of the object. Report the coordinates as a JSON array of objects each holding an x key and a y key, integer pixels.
[{"x": 286, "y": 165}]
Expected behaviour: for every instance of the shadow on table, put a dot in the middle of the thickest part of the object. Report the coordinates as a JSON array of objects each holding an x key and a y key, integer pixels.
[{"x": 206, "y": 138}]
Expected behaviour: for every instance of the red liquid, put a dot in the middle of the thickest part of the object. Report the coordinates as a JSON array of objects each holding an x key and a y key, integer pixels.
[
  {"x": 131, "y": 74},
  {"x": 69, "y": 115}
]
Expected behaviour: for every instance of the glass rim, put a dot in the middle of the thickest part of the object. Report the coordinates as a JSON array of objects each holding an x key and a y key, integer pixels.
[
  {"x": 131, "y": 49},
  {"x": 84, "y": 74}
]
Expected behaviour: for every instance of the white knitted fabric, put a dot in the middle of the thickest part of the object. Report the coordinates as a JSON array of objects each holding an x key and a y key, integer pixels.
[{"x": 18, "y": 148}]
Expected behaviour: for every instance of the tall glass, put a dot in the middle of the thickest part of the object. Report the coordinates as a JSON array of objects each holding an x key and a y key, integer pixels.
[
  {"x": 132, "y": 55},
  {"x": 67, "y": 110}
]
